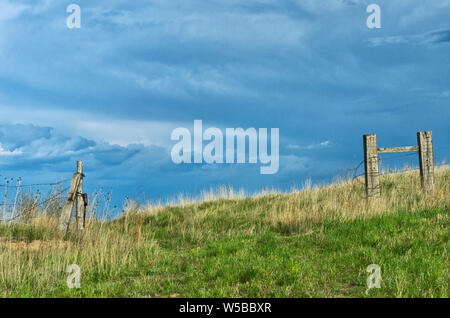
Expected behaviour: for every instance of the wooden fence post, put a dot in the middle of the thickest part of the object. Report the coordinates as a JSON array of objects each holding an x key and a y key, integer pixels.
[
  {"x": 426, "y": 161},
  {"x": 66, "y": 213},
  {"x": 79, "y": 197},
  {"x": 371, "y": 166}
]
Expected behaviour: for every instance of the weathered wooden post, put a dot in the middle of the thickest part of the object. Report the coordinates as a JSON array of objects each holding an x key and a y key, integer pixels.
[
  {"x": 80, "y": 199},
  {"x": 426, "y": 161},
  {"x": 66, "y": 213},
  {"x": 371, "y": 166}
]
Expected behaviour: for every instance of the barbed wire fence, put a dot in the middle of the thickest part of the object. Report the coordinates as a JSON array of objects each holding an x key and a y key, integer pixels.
[
  {"x": 24, "y": 202},
  {"x": 358, "y": 170}
]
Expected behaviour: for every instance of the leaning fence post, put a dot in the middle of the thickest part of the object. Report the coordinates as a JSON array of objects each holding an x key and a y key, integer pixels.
[
  {"x": 371, "y": 166},
  {"x": 426, "y": 161},
  {"x": 80, "y": 199},
  {"x": 66, "y": 213}
]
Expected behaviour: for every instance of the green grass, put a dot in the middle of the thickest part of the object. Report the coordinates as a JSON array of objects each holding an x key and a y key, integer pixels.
[
  {"x": 329, "y": 261},
  {"x": 242, "y": 248}
]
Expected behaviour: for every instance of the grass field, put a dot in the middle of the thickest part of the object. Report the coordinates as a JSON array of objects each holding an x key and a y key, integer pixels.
[{"x": 312, "y": 243}]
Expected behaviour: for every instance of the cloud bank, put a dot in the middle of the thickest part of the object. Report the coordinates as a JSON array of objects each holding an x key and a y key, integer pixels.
[{"x": 111, "y": 92}]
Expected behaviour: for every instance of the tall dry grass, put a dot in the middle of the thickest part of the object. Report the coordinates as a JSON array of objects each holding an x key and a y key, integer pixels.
[
  {"x": 300, "y": 209},
  {"x": 34, "y": 256}
]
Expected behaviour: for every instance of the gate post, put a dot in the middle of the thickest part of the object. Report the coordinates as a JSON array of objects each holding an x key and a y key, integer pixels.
[
  {"x": 371, "y": 166},
  {"x": 426, "y": 161}
]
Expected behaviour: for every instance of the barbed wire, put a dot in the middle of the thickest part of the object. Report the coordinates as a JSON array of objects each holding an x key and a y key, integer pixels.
[
  {"x": 13, "y": 218},
  {"x": 353, "y": 170},
  {"x": 37, "y": 203},
  {"x": 33, "y": 185},
  {"x": 359, "y": 175},
  {"x": 390, "y": 156},
  {"x": 54, "y": 196}
]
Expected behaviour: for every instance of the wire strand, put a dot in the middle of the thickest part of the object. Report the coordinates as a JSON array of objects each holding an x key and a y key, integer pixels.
[{"x": 33, "y": 185}]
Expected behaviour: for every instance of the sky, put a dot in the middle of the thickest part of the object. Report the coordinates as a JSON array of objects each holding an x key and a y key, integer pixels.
[{"x": 111, "y": 92}]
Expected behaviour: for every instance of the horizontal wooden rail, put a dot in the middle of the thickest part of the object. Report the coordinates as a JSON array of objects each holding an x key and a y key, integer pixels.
[{"x": 398, "y": 149}]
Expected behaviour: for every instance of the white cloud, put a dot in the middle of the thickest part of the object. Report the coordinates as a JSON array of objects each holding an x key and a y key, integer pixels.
[
  {"x": 292, "y": 163},
  {"x": 4, "y": 152},
  {"x": 436, "y": 36},
  {"x": 10, "y": 11},
  {"x": 291, "y": 146},
  {"x": 101, "y": 128},
  {"x": 322, "y": 144}
]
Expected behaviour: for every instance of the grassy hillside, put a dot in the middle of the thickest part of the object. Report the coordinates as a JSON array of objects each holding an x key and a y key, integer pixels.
[{"x": 313, "y": 243}]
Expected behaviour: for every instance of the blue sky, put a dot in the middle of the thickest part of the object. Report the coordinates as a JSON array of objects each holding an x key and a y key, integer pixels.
[{"x": 111, "y": 93}]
